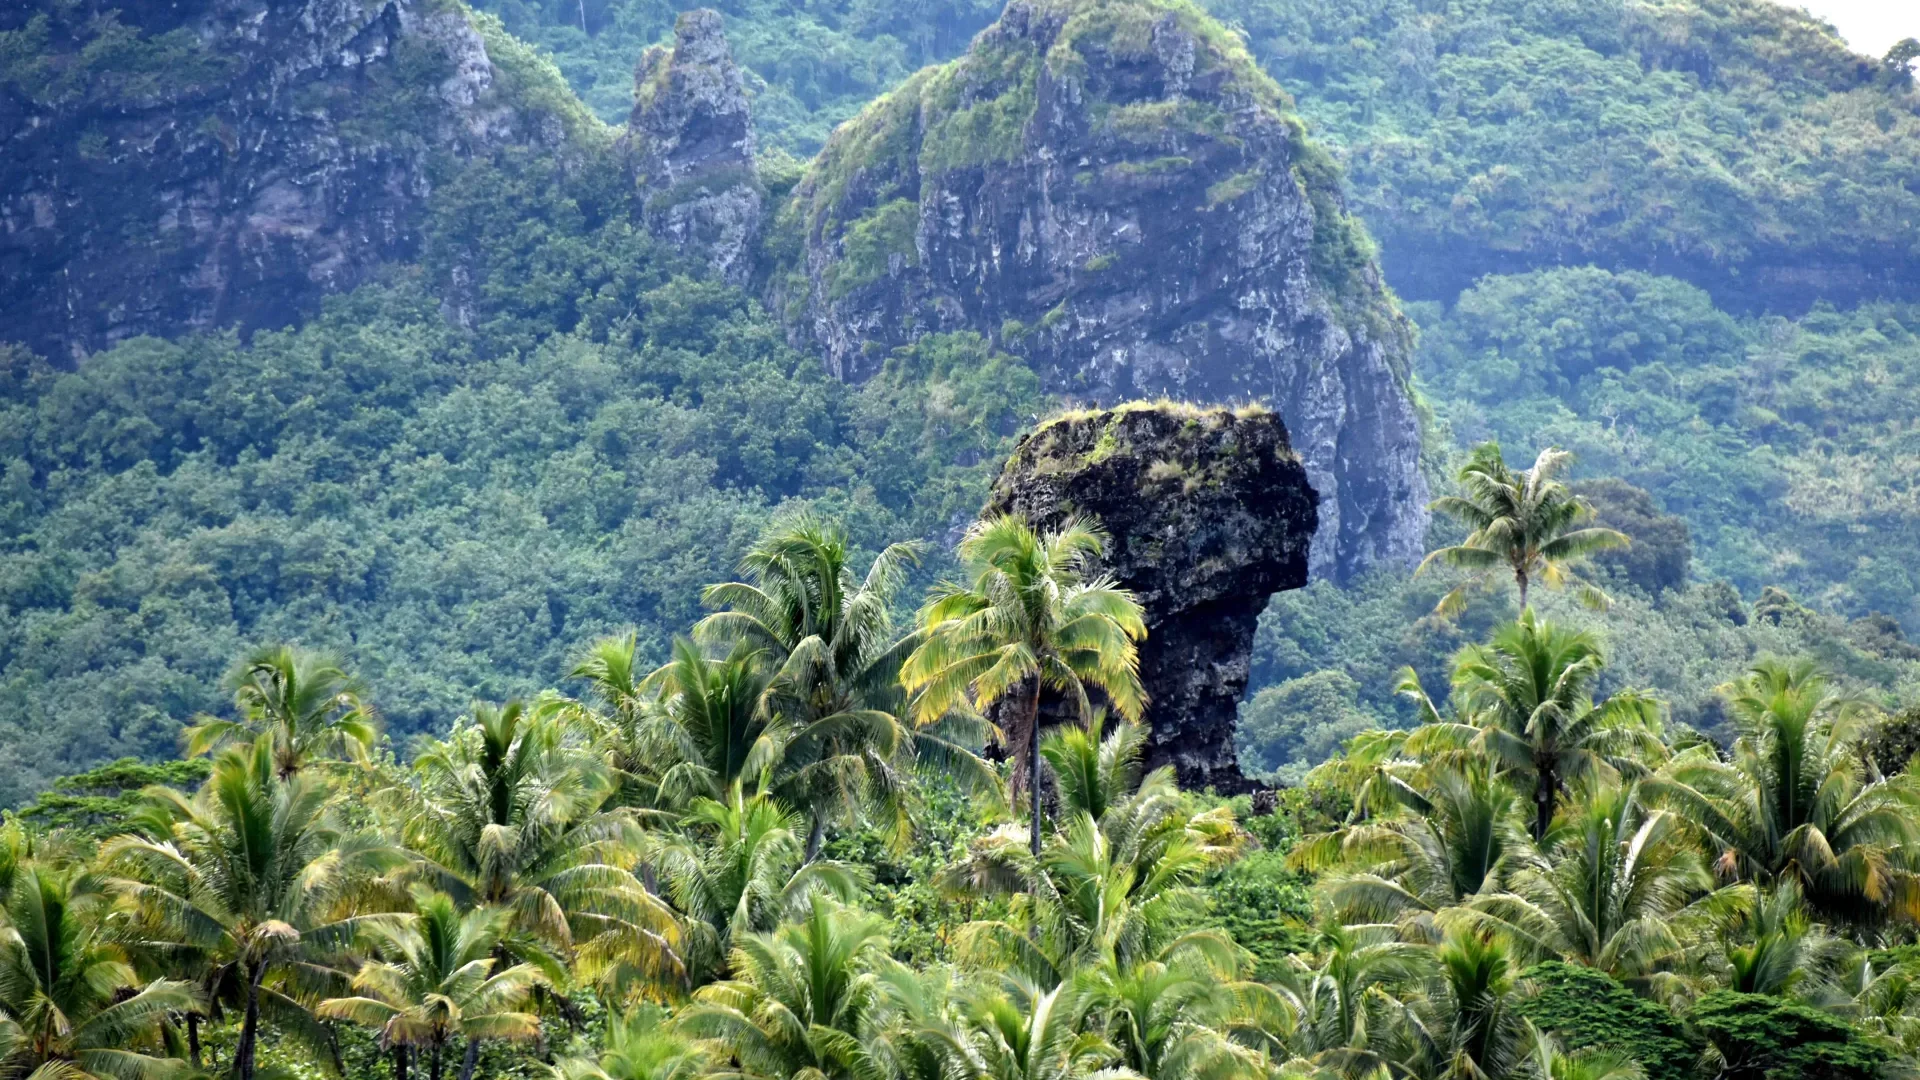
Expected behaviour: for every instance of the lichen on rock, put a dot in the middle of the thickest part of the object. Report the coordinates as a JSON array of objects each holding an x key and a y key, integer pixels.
[
  {"x": 690, "y": 147},
  {"x": 1115, "y": 191},
  {"x": 1209, "y": 513}
]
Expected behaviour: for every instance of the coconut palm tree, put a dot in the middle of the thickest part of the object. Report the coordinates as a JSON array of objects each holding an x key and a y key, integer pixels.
[
  {"x": 1177, "y": 1021},
  {"x": 641, "y": 1044},
  {"x": 511, "y": 813},
  {"x": 720, "y": 727},
  {"x": 71, "y": 1005},
  {"x": 1457, "y": 836},
  {"x": 1795, "y": 802},
  {"x": 803, "y": 998},
  {"x": 254, "y": 878},
  {"x": 1018, "y": 1031},
  {"x": 434, "y": 978},
  {"x": 1109, "y": 890},
  {"x": 1466, "y": 1024},
  {"x": 1034, "y": 616},
  {"x": 1527, "y": 705},
  {"x": 1341, "y": 995},
  {"x": 1604, "y": 887},
  {"x": 737, "y": 868},
  {"x": 624, "y": 721},
  {"x": 1526, "y": 523},
  {"x": 829, "y": 637},
  {"x": 300, "y": 701}
]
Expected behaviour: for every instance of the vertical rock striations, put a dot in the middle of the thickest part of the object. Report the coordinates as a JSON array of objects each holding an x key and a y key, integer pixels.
[
  {"x": 690, "y": 147},
  {"x": 1210, "y": 513},
  {"x": 174, "y": 167},
  {"x": 1113, "y": 190}
]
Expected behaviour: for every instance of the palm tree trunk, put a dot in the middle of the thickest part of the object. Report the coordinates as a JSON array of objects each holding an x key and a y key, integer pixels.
[
  {"x": 193, "y": 1040},
  {"x": 472, "y": 1059},
  {"x": 1033, "y": 763},
  {"x": 1543, "y": 803},
  {"x": 250, "y": 1026},
  {"x": 400, "y": 1062},
  {"x": 1521, "y": 577},
  {"x": 815, "y": 835},
  {"x": 433, "y": 1063}
]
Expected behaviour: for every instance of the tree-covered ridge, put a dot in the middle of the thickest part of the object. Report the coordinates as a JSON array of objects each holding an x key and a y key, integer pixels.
[
  {"x": 1734, "y": 143},
  {"x": 813, "y": 64},
  {"x": 447, "y": 511}
]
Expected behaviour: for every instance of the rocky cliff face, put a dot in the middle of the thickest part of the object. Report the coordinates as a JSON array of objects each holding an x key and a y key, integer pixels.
[
  {"x": 203, "y": 163},
  {"x": 1210, "y": 513},
  {"x": 1113, "y": 190},
  {"x": 689, "y": 145}
]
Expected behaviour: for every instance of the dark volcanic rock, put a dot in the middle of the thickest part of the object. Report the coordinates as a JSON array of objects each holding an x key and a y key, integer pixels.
[
  {"x": 1210, "y": 513},
  {"x": 1113, "y": 190},
  {"x": 690, "y": 147},
  {"x": 205, "y": 163}
]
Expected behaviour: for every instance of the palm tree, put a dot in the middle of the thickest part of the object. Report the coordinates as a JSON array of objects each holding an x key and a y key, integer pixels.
[
  {"x": 1527, "y": 705},
  {"x": 1467, "y": 1024},
  {"x": 641, "y": 1044},
  {"x": 1018, "y": 1031},
  {"x": 721, "y": 730},
  {"x": 1796, "y": 802},
  {"x": 511, "y": 813},
  {"x": 1114, "y": 890},
  {"x": 1524, "y": 522},
  {"x": 435, "y": 979},
  {"x": 255, "y": 877},
  {"x": 70, "y": 1003},
  {"x": 736, "y": 868},
  {"x": 1176, "y": 1021},
  {"x": 301, "y": 701},
  {"x": 1033, "y": 617},
  {"x": 625, "y": 722},
  {"x": 1457, "y": 836},
  {"x": 1604, "y": 888},
  {"x": 829, "y": 638},
  {"x": 803, "y": 997},
  {"x": 1340, "y": 994}
]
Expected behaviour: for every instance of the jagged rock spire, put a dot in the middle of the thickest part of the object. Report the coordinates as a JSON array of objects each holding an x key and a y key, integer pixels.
[{"x": 690, "y": 146}]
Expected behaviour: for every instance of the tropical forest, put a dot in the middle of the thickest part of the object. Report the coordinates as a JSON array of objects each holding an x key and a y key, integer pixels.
[{"x": 959, "y": 540}]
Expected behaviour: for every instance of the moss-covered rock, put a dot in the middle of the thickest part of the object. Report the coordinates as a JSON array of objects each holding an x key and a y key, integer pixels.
[
  {"x": 1210, "y": 513},
  {"x": 690, "y": 146},
  {"x": 1114, "y": 190},
  {"x": 174, "y": 167}
]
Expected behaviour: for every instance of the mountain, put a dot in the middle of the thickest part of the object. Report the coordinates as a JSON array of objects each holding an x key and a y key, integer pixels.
[
  {"x": 1116, "y": 192},
  {"x": 200, "y": 165},
  {"x": 1735, "y": 144}
]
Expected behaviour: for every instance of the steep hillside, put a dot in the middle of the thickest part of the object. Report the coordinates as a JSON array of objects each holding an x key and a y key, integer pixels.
[
  {"x": 195, "y": 165},
  {"x": 1115, "y": 191},
  {"x": 1734, "y": 143}
]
